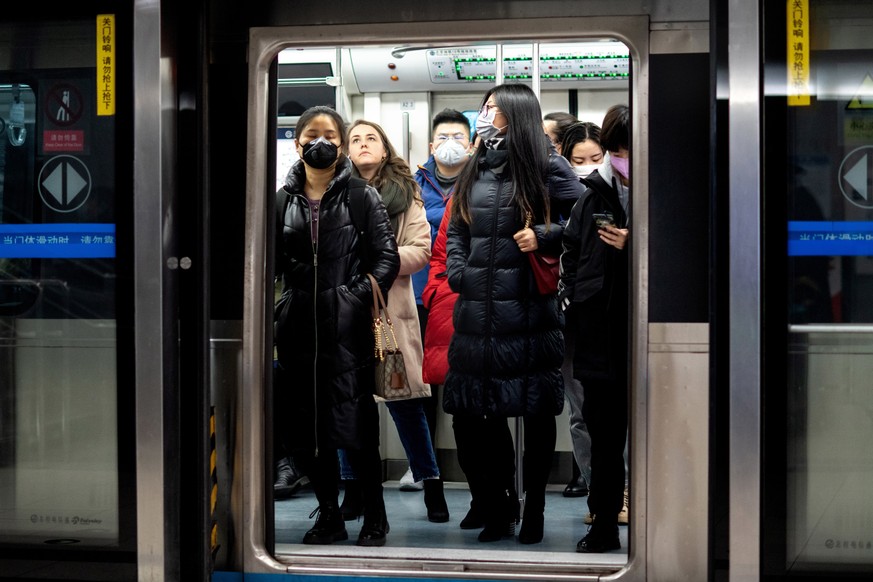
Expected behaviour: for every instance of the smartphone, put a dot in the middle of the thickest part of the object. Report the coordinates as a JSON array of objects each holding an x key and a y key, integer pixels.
[{"x": 603, "y": 219}]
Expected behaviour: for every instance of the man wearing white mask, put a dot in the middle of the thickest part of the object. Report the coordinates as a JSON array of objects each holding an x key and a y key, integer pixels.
[{"x": 450, "y": 149}]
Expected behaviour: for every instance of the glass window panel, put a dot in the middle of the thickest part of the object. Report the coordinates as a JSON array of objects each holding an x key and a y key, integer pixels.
[
  {"x": 59, "y": 453},
  {"x": 829, "y": 210}
]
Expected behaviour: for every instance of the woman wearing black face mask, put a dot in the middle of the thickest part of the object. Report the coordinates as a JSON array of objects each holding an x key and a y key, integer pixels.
[{"x": 323, "y": 320}]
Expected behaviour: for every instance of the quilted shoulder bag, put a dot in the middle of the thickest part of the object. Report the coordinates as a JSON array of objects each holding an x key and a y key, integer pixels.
[{"x": 392, "y": 382}]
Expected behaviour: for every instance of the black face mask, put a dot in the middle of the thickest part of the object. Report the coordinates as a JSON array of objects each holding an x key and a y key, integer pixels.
[{"x": 319, "y": 153}]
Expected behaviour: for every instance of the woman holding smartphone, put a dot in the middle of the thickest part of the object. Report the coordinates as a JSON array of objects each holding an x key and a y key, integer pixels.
[{"x": 594, "y": 292}]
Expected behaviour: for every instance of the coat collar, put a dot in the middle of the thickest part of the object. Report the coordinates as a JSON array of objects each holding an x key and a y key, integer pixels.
[{"x": 297, "y": 176}]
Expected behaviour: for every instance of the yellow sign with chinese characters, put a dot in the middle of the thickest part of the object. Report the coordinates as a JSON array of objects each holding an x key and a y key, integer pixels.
[
  {"x": 797, "y": 52},
  {"x": 105, "y": 64}
]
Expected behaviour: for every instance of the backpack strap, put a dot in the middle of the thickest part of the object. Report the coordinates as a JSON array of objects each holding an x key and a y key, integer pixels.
[
  {"x": 355, "y": 193},
  {"x": 282, "y": 200}
]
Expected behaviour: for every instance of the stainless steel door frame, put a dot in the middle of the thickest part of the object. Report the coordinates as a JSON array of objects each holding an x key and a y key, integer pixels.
[
  {"x": 264, "y": 45},
  {"x": 155, "y": 337},
  {"x": 745, "y": 289}
]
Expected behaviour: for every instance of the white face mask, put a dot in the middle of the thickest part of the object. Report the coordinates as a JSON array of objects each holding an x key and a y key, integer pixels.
[
  {"x": 583, "y": 171},
  {"x": 451, "y": 153},
  {"x": 485, "y": 124}
]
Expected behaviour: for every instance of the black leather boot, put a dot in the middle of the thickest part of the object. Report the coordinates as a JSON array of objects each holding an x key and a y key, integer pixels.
[
  {"x": 500, "y": 518},
  {"x": 599, "y": 540},
  {"x": 353, "y": 500},
  {"x": 532, "y": 525},
  {"x": 328, "y": 528},
  {"x": 375, "y": 527},
  {"x": 435, "y": 501},
  {"x": 288, "y": 479},
  {"x": 576, "y": 487}
]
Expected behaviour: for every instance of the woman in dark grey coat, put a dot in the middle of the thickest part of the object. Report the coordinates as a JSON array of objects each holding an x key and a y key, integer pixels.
[
  {"x": 333, "y": 230},
  {"x": 506, "y": 352}
]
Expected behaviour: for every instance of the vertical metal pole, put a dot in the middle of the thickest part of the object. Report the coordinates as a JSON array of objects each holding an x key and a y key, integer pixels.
[
  {"x": 404, "y": 145},
  {"x": 745, "y": 289},
  {"x": 338, "y": 73},
  {"x": 535, "y": 69}
]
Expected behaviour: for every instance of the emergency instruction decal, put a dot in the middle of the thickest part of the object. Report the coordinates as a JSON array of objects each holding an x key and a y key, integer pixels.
[
  {"x": 798, "y": 52},
  {"x": 105, "y": 64}
]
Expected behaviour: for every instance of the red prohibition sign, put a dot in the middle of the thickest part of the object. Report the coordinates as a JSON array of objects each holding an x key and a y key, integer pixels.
[{"x": 63, "y": 105}]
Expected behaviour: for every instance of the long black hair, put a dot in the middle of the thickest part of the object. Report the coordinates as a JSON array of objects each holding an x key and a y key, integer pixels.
[{"x": 528, "y": 154}]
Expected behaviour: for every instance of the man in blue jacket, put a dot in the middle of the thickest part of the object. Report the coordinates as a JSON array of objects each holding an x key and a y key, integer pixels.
[{"x": 449, "y": 151}]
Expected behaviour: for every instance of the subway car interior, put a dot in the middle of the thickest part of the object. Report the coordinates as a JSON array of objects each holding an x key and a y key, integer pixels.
[
  {"x": 142, "y": 145},
  {"x": 595, "y": 73}
]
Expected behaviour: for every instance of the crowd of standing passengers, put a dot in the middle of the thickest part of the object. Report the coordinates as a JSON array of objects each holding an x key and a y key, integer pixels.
[{"x": 450, "y": 248}]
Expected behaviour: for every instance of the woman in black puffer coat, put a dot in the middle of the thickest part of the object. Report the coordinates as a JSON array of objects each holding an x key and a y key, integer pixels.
[
  {"x": 507, "y": 349},
  {"x": 332, "y": 231}
]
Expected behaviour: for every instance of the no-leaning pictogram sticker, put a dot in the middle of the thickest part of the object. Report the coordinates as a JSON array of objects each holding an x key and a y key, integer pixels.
[
  {"x": 64, "y": 183},
  {"x": 64, "y": 105}
]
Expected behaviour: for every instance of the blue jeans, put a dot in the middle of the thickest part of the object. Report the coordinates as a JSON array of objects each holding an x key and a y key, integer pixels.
[{"x": 412, "y": 427}]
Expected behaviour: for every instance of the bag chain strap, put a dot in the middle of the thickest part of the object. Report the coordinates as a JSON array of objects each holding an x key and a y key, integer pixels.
[{"x": 382, "y": 342}]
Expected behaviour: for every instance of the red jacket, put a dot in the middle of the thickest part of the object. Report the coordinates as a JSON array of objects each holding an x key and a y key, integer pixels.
[{"x": 439, "y": 300}]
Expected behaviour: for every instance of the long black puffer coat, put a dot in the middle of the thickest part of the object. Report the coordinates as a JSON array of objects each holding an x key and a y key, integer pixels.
[
  {"x": 324, "y": 336},
  {"x": 505, "y": 355}
]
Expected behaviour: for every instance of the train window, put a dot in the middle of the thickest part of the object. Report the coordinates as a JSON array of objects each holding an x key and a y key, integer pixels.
[
  {"x": 402, "y": 88},
  {"x": 61, "y": 386},
  {"x": 302, "y": 85},
  {"x": 821, "y": 115}
]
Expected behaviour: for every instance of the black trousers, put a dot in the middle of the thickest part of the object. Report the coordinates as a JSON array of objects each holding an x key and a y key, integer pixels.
[
  {"x": 605, "y": 414},
  {"x": 486, "y": 454},
  {"x": 323, "y": 473}
]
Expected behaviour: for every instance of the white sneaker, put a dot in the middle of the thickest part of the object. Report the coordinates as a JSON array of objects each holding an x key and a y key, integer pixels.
[{"x": 408, "y": 483}]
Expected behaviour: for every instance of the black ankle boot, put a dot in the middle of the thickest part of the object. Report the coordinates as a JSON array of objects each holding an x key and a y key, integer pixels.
[
  {"x": 531, "y": 527},
  {"x": 328, "y": 528},
  {"x": 435, "y": 501},
  {"x": 500, "y": 518},
  {"x": 599, "y": 540},
  {"x": 288, "y": 479},
  {"x": 353, "y": 500},
  {"x": 474, "y": 518},
  {"x": 375, "y": 526}
]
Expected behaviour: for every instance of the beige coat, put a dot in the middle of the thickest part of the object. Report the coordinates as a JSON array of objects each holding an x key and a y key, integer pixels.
[{"x": 413, "y": 242}]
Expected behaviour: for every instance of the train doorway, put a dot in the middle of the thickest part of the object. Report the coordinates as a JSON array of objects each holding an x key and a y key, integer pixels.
[{"x": 413, "y": 110}]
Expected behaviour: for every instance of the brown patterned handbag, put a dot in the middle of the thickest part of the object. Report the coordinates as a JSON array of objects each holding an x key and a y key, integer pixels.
[{"x": 391, "y": 380}]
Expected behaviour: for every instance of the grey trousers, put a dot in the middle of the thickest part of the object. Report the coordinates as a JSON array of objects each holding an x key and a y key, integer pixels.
[{"x": 575, "y": 397}]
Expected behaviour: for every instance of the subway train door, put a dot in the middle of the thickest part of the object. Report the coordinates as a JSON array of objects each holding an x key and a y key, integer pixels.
[
  {"x": 67, "y": 479},
  {"x": 810, "y": 393}
]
